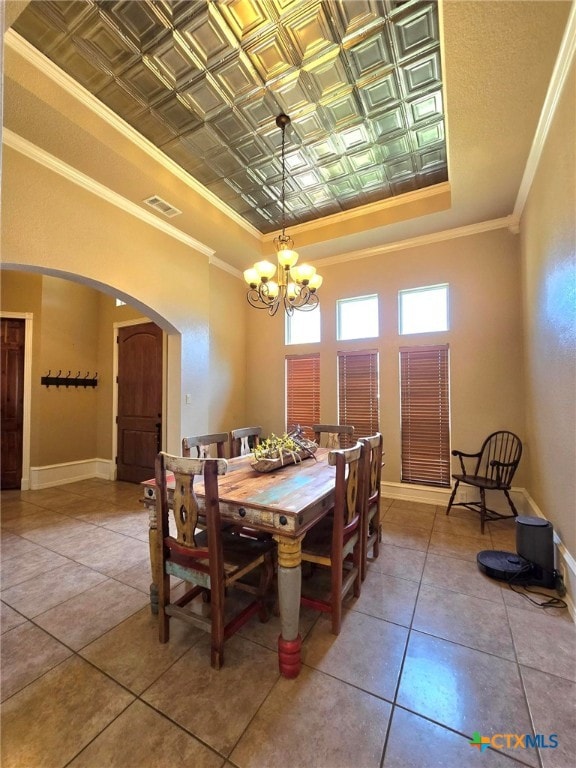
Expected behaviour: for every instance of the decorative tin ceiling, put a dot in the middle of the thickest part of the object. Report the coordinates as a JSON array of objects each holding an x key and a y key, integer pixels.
[{"x": 205, "y": 80}]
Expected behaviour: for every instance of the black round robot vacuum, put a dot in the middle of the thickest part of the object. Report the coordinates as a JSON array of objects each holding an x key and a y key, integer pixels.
[{"x": 504, "y": 566}]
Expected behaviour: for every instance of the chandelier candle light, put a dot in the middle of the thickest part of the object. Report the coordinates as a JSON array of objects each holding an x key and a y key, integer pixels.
[{"x": 295, "y": 286}]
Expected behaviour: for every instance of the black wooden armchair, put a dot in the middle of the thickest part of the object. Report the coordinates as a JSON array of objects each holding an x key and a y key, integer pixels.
[{"x": 495, "y": 465}]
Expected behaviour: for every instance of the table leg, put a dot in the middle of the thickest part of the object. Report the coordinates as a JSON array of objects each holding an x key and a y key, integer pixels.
[
  {"x": 289, "y": 588},
  {"x": 152, "y": 533}
]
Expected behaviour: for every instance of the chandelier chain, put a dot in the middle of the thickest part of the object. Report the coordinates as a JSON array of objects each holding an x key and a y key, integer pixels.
[{"x": 283, "y": 180}]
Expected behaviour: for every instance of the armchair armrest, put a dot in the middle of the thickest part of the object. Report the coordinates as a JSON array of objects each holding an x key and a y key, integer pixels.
[
  {"x": 498, "y": 465},
  {"x": 461, "y": 456}
]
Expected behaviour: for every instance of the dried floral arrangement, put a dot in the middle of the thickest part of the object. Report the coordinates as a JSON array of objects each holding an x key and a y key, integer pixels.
[{"x": 278, "y": 450}]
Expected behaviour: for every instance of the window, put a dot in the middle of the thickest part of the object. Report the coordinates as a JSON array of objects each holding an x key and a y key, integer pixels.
[
  {"x": 358, "y": 391},
  {"x": 303, "y": 327},
  {"x": 425, "y": 415},
  {"x": 423, "y": 310},
  {"x": 303, "y": 392},
  {"x": 357, "y": 318}
]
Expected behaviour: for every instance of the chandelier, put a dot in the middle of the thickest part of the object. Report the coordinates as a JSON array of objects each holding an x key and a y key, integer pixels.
[{"x": 295, "y": 285}]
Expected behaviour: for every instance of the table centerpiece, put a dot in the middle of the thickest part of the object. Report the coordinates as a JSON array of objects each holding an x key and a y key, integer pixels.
[{"x": 280, "y": 450}]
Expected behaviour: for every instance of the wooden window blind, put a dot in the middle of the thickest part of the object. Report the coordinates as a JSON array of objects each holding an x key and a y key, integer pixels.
[
  {"x": 358, "y": 391},
  {"x": 425, "y": 415},
  {"x": 303, "y": 392}
]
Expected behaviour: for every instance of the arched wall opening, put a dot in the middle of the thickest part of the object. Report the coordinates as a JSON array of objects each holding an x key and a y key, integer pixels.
[{"x": 30, "y": 292}]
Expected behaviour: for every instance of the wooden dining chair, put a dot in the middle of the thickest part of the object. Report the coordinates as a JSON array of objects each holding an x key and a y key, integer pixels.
[
  {"x": 494, "y": 467},
  {"x": 202, "y": 445},
  {"x": 210, "y": 560},
  {"x": 244, "y": 440},
  {"x": 371, "y": 519},
  {"x": 336, "y": 435},
  {"x": 335, "y": 542}
]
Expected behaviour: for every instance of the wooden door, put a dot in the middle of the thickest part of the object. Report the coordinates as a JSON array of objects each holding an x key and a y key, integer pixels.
[
  {"x": 139, "y": 401},
  {"x": 12, "y": 334}
]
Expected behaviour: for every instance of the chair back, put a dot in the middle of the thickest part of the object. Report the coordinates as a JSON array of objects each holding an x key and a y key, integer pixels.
[
  {"x": 373, "y": 468},
  {"x": 337, "y": 435},
  {"x": 181, "y": 550},
  {"x": 202, "y": 443},
  {"x": 348, "y": 496},
  {"x": 244, "y": 440},
  {"x": 499, "y": 458}
]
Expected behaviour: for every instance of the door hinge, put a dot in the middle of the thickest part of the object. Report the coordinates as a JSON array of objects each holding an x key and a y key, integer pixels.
[{"x": 115, "y": 459}]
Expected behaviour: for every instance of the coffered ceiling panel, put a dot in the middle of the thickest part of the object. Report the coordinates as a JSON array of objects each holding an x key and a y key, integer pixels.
[{"x": 204, "y": 81}]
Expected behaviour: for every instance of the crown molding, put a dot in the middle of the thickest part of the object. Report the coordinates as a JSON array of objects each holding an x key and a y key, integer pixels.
[
  {"x": 416, "y": 242},
  {"x": 368, "y": 210},
  {"x": 216, "y": 262},
  {"x": 21, "y": 46},
  {"x": 559, "y": 75},
  {"x": 25, "y": 147}
]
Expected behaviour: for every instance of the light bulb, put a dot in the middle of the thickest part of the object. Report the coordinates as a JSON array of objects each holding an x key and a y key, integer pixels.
[
  {"x": 265, "y": 269},
  {"x": 272, "y": 287},
  {"x": 315, "y": 282},
  {"x": 251, "y": 276},
  {"x": 287, "y": 257}
]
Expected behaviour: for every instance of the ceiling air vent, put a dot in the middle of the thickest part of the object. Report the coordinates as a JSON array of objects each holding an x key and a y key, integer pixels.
[{"x": 162, "y": 206}]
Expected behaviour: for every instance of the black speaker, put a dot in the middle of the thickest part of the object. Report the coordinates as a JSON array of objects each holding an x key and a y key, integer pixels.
[{"x": 535, "y": 542}]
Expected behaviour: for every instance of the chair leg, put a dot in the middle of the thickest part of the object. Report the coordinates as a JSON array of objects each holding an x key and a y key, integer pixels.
[
  {"x": 336, "y": 585},
  {"x": 452, "y": 497},
  {"x": 217, "y": 625},
  {"x": 377, "y": 527},
  {"x": 217, "y": 656},
  {"x": 357, "y": 558},
  {"x": 512, "y": 507},
  {"x": 266, "y": 580},
  {"x": 482, "y": 509},
  {"x": 163, "y": 600}
]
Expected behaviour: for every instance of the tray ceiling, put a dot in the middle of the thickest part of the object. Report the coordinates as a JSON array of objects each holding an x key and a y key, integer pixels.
[{"x": 205, "y": 80}]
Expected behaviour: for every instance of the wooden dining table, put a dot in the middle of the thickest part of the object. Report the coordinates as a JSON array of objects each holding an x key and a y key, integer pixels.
[{"x": 285, "y": 503}]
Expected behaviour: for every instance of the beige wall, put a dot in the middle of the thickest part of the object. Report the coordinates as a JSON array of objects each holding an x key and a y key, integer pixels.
[
  {"x": 70, "y": 232},
  {"x": 549, "y": 286},
  {"x": 65, "y": 417},
  {"x": 227, "y": 352},
  {"x": 485, "y": 338}
]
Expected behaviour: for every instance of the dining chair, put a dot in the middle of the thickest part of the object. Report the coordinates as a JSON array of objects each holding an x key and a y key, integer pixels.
[
  {"x": 337, "y": 435},
  {"x": 335, "y": 542},
  {"x": 210, "y": 560},
  {"x": 371, "y": 519},
  {"x": 203, "y": 443},
  {"x": 244, "y": 440},
  {"x": 495, "y": 465}
]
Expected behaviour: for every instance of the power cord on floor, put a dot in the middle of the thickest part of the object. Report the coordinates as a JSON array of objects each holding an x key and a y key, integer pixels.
[{"x": 552, "y": 602}]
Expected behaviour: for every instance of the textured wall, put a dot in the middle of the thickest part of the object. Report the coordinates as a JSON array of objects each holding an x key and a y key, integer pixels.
[{"x": 549, "y": 288}]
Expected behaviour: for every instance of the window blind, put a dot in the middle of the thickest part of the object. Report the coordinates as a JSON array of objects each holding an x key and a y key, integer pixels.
[
  {"x": 425, "y": 415},
  {"x": 358, "y": 391},
  {"x": 303, "y": 392}
]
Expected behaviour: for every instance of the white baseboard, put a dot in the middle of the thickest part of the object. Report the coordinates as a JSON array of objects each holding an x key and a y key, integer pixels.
[
  {"x": 523, "y": 502},
  {"x": 428, "y": 494},
  {"x": 70, "y": 472}
]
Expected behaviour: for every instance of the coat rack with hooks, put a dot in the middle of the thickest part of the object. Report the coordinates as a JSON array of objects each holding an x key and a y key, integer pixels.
[{"x": 69, "y": 381}]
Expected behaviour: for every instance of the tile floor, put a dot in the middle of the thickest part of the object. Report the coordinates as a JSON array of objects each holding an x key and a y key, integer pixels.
[{"x": 432, "y": 652}]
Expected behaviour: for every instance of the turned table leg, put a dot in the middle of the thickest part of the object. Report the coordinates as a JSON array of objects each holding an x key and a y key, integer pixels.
[{"x": 289, "y": 588}]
